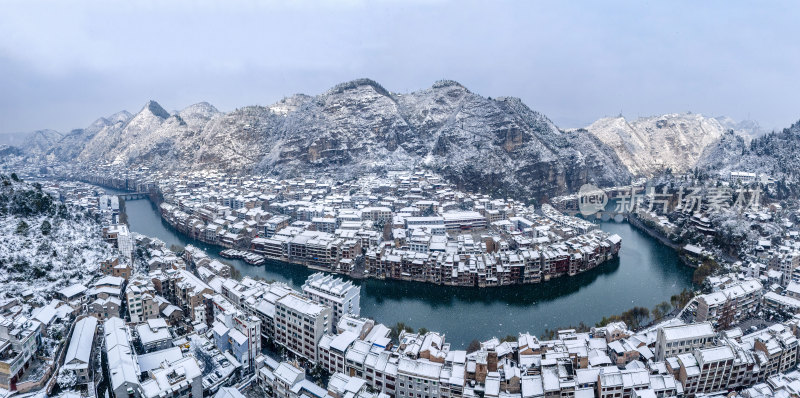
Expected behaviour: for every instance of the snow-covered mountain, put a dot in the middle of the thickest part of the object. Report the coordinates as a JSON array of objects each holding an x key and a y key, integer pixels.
[
  {"x": 492, "y": 145},
  {"x": 650, "y": 144},
  {"x": 773, "y": 154},
  {"x": 72, "y": 143},
  {"x": 40, "y": 141},
  {"x": 7, "y": 150},
  {"x": 747, "y": 129}
]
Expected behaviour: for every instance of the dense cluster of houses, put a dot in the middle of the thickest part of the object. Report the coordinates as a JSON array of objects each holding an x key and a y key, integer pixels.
[
  {"x": 673, "y": 358},
  {"x": 409, "y": 226},
  {"x": 182, "y": 326},
  {"x": 227, "y": 323}
]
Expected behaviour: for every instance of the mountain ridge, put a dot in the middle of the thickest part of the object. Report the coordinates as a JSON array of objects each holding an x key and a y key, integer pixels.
[
  {"x": 675, "y": 141},
  {"x": 499, "y": 146},
  {"x": 773, "y": 154}
]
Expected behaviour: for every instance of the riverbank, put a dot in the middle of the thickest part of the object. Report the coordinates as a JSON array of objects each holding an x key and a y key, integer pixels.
[
  {"x": 346, "y": 255},
  {"x": 645, "y": 272},
  {"x": 638, "y": 224},
  {"x": 685, "y": 259}
]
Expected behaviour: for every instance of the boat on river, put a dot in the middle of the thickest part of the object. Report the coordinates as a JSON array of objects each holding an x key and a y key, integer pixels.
[{"x": 248, "y": 257}]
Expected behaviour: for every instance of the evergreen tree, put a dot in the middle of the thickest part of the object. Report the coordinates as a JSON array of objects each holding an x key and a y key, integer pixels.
[
  {"x": 46, "y": 227},
  {"x": 22, "y": 228}
]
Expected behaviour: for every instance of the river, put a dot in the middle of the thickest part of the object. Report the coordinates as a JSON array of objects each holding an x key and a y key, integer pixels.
[{"x": 646, "y": 273}]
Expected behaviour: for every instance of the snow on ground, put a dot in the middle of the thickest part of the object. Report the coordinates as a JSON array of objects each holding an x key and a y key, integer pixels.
[{"x": 36, "y": 260}]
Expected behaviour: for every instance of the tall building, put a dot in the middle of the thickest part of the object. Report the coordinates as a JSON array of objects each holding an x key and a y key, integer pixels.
[
  {"x": 140, "y": 297},
  {"x": 675, "y": 340},
  {"x": 418, "y": 379},
  {"x": 731, "y": 304},
  {"x": 344, "y": 298},
  {"x": 237, "y": 331},
  {"x": 300, "y": 324},
  {"x": 706, "y": 370}
]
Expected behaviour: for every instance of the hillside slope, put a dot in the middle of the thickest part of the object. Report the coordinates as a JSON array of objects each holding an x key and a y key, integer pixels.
[
  {"x": 676, "y": 141},
  {"x": 492, "y": 145},
  {"x": 773, "y": 154},
  {"x": 46, "y": 245}
]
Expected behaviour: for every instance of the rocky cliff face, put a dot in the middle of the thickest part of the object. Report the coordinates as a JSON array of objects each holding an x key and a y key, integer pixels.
[
  {"x": 492, "y": 145},
  {"x": 675, "y": 141}
]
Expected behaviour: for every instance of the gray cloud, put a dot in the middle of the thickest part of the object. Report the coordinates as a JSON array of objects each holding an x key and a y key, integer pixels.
[{"x": 64, "y": 64}]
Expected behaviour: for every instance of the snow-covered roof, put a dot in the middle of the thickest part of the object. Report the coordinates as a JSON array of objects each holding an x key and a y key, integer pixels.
[
  {"x": 109, "y": 280},
  {"x": 228, "y": 392},
  {"x": 80, "y": 346},
  {"x": 151, "y": 333},
  {"x": 72, "y": 291},
  {"x": 288, "y": 373},
  {"x": 123, "y": 369},
  {"x": 163, "y": 382},
  {"x": 170, "y": 309},
  {"x": 153, "y": 360},
  {"x": 691, "y": 331},
  {"x": 343, "y": 340},
  {"x": 301, "y": 305},
  {"x": 238, "y": 337},
  {"x": 48, "y": 313},
  {"x": 419, "y": 368}
]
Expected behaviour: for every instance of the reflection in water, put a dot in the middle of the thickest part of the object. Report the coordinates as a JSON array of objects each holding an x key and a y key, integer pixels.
[
  {"x": 514, "y": 296},
  {"x": 645, "y": 274}
]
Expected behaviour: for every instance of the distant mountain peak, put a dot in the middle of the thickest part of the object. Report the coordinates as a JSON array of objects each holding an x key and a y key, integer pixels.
[
  {"x": 200, "y": 107},
  {"x": 646, "y": 145},
  {"x": 156, "y": 109},
  {"x": 447, "y": 83},
  {"x": 99, "y": 123},
  {"x": 353, "y": 84},
  {"x": 121, "y": 116}
]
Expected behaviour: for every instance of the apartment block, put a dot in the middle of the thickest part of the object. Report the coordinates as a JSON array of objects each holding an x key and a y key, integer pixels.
[
  {"x": 674, "y": 340},
  {"x": 300, "y": 324},
  {"x": 342, "y": 297}
]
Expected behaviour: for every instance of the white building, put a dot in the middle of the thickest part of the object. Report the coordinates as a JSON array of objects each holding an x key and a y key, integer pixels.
[
  {"x": 674, "y": 340},
  {"x": 285, "y": 380},
  {"x": 342, "y": 297},
  {"x": 300, "y": 323},
  {"x": 742, "y": 177},
  {"x": 178, "y": 379},
  {"x": 154, "y": 335},
  {"x": 457, "y": 220},
  {"x": 418, "y": 378},
  {"x": 731, "y": 304}
]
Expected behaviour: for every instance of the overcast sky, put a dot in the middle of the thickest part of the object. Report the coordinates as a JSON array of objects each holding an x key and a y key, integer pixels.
[{"x": 64, "y": 64}]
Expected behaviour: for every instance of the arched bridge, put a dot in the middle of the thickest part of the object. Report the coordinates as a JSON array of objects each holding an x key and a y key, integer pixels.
[{"x": 133, "y": 195}]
